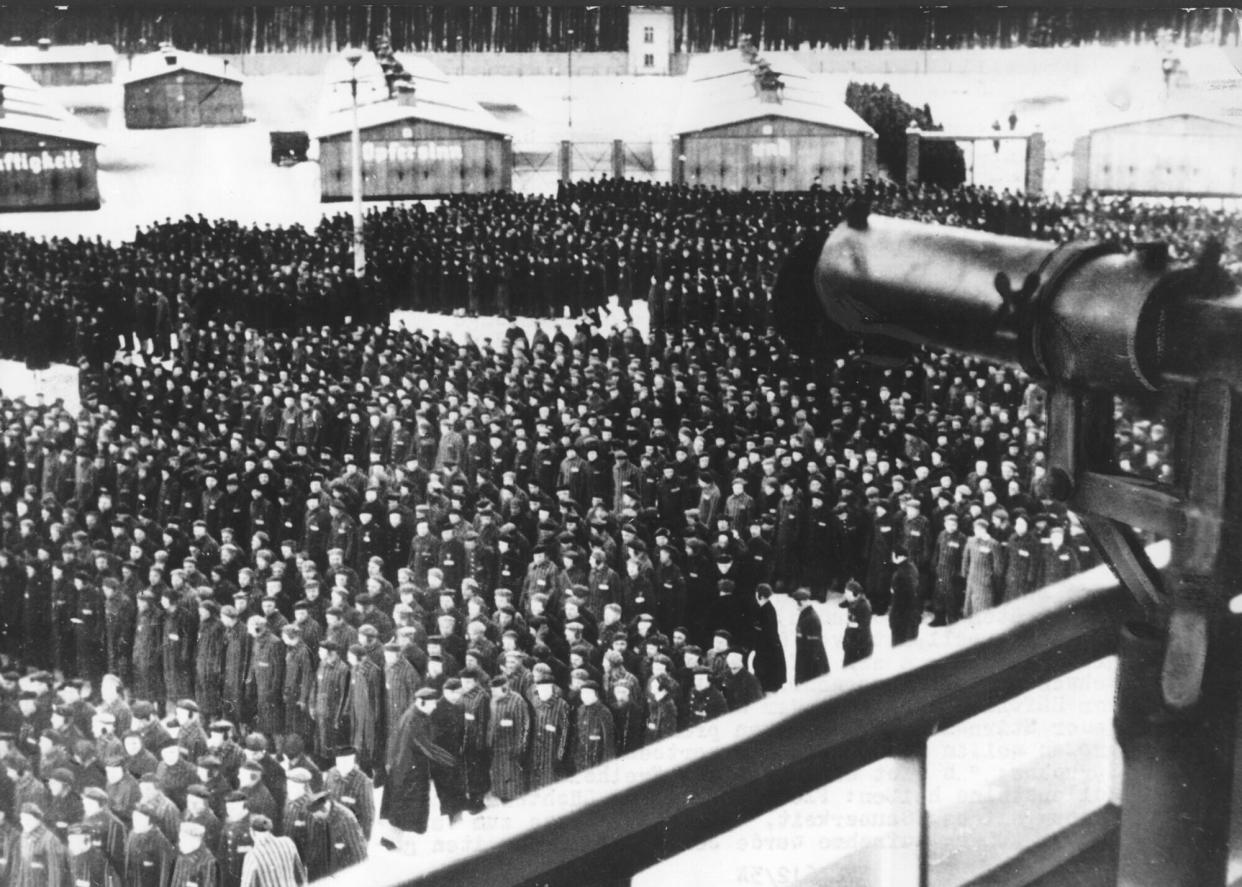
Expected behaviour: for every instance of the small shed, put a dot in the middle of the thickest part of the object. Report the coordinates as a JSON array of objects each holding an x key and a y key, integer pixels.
[
  {"x": 69, "y": 65},
  {"x": 429, "y": 142},
  {"x": 172, "y": 88},
  {"x": 47, "y": 161},
  {"x": 1184, "y": 153},
  {"x": 737, "y": 129}
]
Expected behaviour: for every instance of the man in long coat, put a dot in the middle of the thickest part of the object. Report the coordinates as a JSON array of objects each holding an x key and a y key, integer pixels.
[
  {"x": 148, "y": 642},
  {"x": 593, "y": 732},
  {"x": 180, "y": 633},
  {"x": 1023, "y": 553},
  {"x": 299, "y": 690},
  {"x": 983, "y": 568},
  {"x": 265, "y": 681},
  {"x": 946, "y": 598},
  {"x": 331, "y": 700},
  {"x": 401, "y": 682},
  {"x": 549, "y": 734},
  {"x": 448, "y": 730},
  {"x": 906, "y": 608},
  {"x": 409, "y": 767},
  {"x": 366, "y": 707},
  {"x": 764, "y": 638},
  {"x": 237, "y": 651},
  {"x": 209, "y": 660},
  {"x": 509, "y": 740},
  {"x": 811, "y": 658},
  {"x": 120, "y": 617},
  {"x": 476, "y": 741}
]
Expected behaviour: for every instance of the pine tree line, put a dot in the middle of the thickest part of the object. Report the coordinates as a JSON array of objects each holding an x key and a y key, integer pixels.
[{"x": 605, "y": 28}]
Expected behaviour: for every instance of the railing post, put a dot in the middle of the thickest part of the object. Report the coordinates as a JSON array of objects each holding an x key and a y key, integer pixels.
[
  {"x": 567, "y": 160},
  {"x": 902, "y": 857}
]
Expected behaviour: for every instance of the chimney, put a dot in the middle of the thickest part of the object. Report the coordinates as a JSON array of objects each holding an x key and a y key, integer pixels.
[
  {"x": 44, "y": 44},
  {"x": 404, "y": 93},
  {"x": 15, "y": 40},
  {"x": 170, "y": 58}
]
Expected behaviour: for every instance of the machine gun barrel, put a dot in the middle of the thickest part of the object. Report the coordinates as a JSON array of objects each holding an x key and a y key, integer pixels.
[{"x": 1084, "y": 314}]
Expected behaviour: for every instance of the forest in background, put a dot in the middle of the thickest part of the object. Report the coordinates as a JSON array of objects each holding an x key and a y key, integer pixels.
[{"x": 327, "y": 28}]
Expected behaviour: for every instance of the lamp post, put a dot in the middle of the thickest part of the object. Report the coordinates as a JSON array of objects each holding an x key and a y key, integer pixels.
[
  {"x": 570, "y": 95},
  {"x": 353, "y": 56}
]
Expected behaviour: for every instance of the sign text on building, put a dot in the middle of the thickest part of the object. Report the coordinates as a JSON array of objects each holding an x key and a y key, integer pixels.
[
  {"x": 37, "y": 162},
  {"x": 776, "y": 148},
  {"x": 409, "y": 152}
]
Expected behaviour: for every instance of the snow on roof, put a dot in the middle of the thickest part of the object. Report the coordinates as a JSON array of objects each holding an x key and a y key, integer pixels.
[
  {"x": 57, "y": 55},
  {"x": 11, "y": 75},
  {"x": 23, "y": 101},
  {"x": 52, "y": 127},
  {"x": 726, "y": 99},
  {"x": 1184, "y": 113},
  {"x": 712, "y": 65},
  {"x": 421, "y": 68},
  {"x": 447, "y": 109},
  {"x": 27, "y": 108},
  {"x": 156, "y": 64}
]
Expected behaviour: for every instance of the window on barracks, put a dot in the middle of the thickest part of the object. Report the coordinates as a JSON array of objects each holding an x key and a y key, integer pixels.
[
  {"x": 648, "y": 34},
  {"x": 648, "y": 61}
]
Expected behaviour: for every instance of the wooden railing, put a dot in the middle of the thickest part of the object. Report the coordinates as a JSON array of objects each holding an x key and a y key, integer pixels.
[{"x": 610, "y": 823}]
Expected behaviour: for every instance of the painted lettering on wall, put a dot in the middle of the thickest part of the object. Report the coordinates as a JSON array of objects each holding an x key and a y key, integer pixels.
[
  {"x": 776, "y": 148},
  {"x": 38, "y": 162},
  {"x": 409, "y": 152}
]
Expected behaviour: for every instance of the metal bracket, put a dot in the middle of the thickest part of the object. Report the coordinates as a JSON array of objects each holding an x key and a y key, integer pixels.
[{"x": 1110, "y": 505}]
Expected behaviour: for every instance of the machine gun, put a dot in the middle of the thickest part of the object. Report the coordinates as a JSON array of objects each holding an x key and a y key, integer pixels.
[{"x": 1092, "y": 322}]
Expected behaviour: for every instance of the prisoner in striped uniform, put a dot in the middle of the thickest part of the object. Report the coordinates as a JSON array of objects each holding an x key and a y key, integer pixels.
[
  {"x": 550, "y": 734},
  {"x": 273, "y": 861},
  {"x": 195, "y": 864},
  {"x": 334, "y": 838}
]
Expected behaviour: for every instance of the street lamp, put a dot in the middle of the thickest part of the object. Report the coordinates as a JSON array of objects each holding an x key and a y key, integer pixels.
[
  {"x": 570, "y": 96},
  {"x": 353, "y": 56}
]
